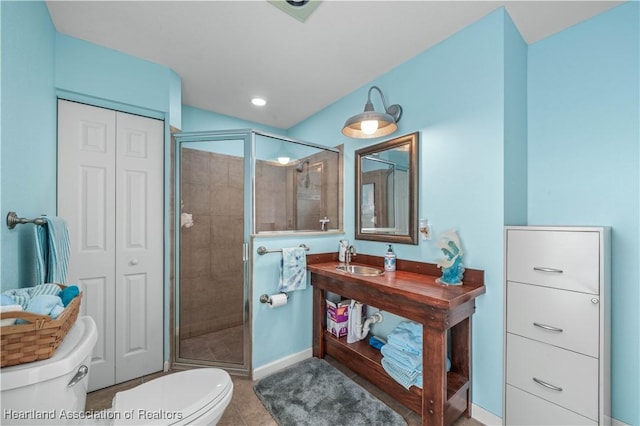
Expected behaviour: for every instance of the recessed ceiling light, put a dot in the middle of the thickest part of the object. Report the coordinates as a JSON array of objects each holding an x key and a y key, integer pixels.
[{"x": 258, "y": 102}]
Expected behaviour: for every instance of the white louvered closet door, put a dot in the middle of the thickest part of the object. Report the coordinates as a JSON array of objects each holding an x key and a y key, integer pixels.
[{"x": 110, "y": 194}]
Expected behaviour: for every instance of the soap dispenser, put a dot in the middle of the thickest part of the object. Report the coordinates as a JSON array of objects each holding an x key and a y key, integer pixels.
[
  {"x": 389, "y": 259},
  {"x": 342, "y": 250}
]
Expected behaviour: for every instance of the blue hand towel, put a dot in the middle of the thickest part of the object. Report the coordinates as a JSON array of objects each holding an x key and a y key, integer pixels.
[
  {"x": 405, "y": 376},
  {"x": 21, "y": 296},
  {"x": 52, "y": 251},
  {"x": 406, "y": 359},
  {"x": 293, "y": 269},
  {"x": 68, "y": 294},
  {"x": 44, "y": 304},
  {"x": 407, "y": 336}
]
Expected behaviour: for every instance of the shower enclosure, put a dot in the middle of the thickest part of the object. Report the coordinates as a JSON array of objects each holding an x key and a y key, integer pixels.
[{"x": 230, "y": 186}]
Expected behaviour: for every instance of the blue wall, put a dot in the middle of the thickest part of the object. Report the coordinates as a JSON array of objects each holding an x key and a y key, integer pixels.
[
  {"x": 584, "y": 162},
  {"x": 28, "y": 146},
  {"x": 454, "y": 94},
  {"x": 580, "y": 113}
]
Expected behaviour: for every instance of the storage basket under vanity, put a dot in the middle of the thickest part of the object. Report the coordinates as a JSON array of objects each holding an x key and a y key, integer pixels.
[{"x": 39, "y": 338}]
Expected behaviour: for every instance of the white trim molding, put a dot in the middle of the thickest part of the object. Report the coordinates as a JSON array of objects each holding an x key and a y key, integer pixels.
[{"x": 277, "y": 365}]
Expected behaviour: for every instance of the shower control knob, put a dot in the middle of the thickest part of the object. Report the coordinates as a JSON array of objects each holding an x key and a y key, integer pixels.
[{"x": 133, "y": 261}]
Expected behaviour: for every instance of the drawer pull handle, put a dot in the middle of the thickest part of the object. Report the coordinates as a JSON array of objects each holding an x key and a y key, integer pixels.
[
  {"x": 555, "y": 271},
  {"x": 548, "y": 327},
  {"x": 547, "y": 385}
]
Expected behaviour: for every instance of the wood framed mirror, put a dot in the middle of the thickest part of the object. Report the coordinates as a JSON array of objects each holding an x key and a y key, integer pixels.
[{"x": 387, "y": 191}]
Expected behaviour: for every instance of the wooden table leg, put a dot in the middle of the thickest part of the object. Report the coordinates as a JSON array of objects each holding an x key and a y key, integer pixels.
[
  {"x": 461, "y": 354},
  {"x": 434, "y": 376},
  {"x": 319, "y": 317}
]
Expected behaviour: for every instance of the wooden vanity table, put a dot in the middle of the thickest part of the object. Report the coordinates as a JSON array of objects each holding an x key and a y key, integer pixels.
[{"x": 410, "y": 292}]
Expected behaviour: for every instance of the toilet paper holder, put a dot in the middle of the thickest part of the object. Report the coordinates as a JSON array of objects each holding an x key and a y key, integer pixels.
[{"x": 265, "y": 298}]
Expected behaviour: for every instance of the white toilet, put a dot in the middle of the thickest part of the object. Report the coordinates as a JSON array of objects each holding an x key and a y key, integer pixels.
[{"x": 42, "y": 392}]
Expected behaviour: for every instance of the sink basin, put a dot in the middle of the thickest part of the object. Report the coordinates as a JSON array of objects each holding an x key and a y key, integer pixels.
[{"x": 360, "y": 270}]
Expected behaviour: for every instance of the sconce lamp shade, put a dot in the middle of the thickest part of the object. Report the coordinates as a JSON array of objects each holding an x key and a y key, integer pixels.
[{"x": 372, "y": 124}]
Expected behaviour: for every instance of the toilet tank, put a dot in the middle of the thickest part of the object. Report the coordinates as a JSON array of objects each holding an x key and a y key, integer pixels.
[{"x": 40, "y": 392}]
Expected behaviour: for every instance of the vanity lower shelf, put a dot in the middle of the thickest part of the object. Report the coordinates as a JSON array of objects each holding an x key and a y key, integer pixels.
[
  {"x": 361, "y": 358},
  {"x": 444, "y": 313}
]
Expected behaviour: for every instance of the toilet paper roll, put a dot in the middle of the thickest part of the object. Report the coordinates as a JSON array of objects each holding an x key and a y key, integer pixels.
[{"x": 276, "y": 300}]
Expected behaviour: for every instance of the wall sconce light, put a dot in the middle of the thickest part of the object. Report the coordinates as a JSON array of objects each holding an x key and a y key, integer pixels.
[{"x": 372, "y": 124}]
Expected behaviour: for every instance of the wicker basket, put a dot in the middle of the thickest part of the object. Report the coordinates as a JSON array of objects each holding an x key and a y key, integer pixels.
[{"x": 37, "y": 340}]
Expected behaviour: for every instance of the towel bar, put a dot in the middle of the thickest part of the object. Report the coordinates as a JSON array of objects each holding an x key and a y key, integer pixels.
[
  {"x": 263, "y": 250},
  {"x": 13, "y": 220}
]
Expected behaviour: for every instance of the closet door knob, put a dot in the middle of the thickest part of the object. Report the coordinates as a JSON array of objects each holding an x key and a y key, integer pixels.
[{"x": 133, "y": 262}]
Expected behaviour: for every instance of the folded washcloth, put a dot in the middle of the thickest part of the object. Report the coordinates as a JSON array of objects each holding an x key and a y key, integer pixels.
[
  {"x": 68, "y": 294},
  {"x": 20, "y": 296},
  {"x": 9, "y": 308},
  {"x": 48, "y": 288},
  {"x": 418, "y": 381},
  {"x": 6, "y": 300},
  {"x": 406, "y": 359},
  {"x": 405, "y": 376},
  {"x": 407, "y": 336},
  {"x": 52, "y": 251},
  {"x": 44, "y": 304},
  {"x": 293, "y": 269}
]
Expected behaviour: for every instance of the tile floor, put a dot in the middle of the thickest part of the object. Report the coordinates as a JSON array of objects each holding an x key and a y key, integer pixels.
[
  {"x": 224, "y": 345},
  {"x": 245, "y": 408}
]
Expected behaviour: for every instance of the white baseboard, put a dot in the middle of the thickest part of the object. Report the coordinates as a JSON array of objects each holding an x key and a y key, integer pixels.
[
  {"x": 485, "y": 417},
  {"x": 616, "y": 422},
  {"x": 265, "y": 370}
]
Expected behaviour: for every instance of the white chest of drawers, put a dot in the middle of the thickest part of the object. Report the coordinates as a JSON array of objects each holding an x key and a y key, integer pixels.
[{"x": 557, "y": 310}]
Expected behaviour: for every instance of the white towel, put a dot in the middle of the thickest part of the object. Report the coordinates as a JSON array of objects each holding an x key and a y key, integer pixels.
[
  {"x": 52, "y": 251},
  {"x": 293, "y": 269},
  {"x": 9, "y": 308}
]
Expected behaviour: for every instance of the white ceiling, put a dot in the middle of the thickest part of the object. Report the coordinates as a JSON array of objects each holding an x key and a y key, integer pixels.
[{"x": 227, "y": 52}]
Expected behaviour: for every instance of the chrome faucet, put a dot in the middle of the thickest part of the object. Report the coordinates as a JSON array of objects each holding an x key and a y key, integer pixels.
[
  {"x": 323, "y": 223},
  {"x": 351, "y": 251}
]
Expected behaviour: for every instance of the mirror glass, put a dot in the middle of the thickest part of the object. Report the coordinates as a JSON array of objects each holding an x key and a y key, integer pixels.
[
  {"x": 296, "y": 187},
  {"x": 387, "y": 191}
]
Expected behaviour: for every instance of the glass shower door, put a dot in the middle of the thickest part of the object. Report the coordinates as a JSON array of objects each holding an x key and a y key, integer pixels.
[{"x": 212, "y": 289}]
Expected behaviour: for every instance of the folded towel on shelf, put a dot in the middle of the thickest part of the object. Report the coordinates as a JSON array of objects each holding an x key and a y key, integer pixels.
[
  {"x": 52, "y": 251},
  {"x": 407, "y": 336},
  {"x": 293, "y": 269},
  {"x": 9, "y": 308},
  {"x": 405, "y": 376},
  {"x": 403, "y": 358}
]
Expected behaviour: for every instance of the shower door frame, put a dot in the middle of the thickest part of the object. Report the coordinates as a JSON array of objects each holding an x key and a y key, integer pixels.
[{"x": 248, "y": 140}]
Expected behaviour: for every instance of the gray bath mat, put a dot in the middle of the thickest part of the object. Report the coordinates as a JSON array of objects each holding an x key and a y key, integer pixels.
[{"x": 313, "y": 393}]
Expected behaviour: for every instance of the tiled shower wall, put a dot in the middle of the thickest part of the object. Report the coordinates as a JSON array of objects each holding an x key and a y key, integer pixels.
[{"x": 211, "y": 267}]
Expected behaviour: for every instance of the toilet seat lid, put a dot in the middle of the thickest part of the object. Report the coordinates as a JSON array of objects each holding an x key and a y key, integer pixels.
[{"x": 184, "y": 392}]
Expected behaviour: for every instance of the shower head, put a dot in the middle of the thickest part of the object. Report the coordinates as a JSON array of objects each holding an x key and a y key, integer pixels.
[{"x": 300, "y": 166}]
